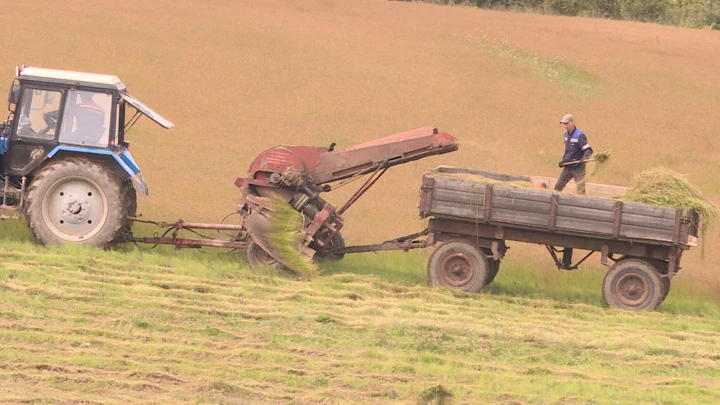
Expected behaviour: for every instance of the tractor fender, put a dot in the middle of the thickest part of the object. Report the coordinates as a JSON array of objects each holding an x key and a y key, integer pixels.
[{"x": 124, "y": 159}]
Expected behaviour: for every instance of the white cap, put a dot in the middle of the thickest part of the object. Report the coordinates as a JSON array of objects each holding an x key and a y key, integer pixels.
[{"x": 567, "y": 118}]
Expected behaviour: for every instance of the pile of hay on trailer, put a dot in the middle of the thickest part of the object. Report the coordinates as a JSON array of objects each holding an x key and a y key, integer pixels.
[{"x": 664, "y": 187}]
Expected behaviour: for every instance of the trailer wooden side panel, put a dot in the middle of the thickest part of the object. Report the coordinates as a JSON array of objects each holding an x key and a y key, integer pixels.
[{"x": 465, "y": 199}]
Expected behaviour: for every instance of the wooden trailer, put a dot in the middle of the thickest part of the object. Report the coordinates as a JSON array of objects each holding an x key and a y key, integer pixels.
[{"x": 472, "y": 213}]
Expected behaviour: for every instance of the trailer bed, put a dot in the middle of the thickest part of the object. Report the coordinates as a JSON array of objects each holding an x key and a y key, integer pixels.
[{"x": 468, "y": 195}]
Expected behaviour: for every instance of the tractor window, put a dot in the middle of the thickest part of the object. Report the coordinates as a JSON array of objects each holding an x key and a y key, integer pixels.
[
  {"x": 38, "y": 114},
  {"x": 86, "y": 119}
]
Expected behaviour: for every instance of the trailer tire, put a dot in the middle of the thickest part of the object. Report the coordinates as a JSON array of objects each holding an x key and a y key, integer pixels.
[
  {"x": 458, "y": 264},
  {"x": 494, "y": 266},
  {"x": 662, "y": 267},
  {"x": 633, "y": 284},
  {"x": 76, "y": 201}
]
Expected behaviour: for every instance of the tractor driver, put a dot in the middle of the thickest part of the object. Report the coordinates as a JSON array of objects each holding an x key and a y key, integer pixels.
[
  {"x": 89, "y": 117},
  {"x": 84, "y": 119}
]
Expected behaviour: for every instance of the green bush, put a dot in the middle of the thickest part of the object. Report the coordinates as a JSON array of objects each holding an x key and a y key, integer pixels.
[
  {"x": 647, "y": 11},
  {"x": 688, "y": 13}
]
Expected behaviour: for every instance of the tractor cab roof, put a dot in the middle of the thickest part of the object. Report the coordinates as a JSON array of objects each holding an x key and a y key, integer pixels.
[
  {"x": 89, "y": 80},
  {"x": 67, "y": 77}
]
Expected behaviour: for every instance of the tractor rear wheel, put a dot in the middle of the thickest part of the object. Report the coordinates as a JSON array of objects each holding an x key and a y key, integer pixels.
[
  {"x": 131, "y": 202},
  {"x": 77, "y": 201}
]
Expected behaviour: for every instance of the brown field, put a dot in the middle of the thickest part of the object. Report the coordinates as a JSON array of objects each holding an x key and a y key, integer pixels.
[{"x": 237, "y": 77}]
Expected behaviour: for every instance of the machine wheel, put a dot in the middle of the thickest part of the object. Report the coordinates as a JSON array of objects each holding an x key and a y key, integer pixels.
[
  {"x": 458, "y": 264},
  {"x": 256, "y": 256},
  {"x": 633, "y": 284},
  {"x": 76, "y": 201},
  {"x": 337, "y": 241}
]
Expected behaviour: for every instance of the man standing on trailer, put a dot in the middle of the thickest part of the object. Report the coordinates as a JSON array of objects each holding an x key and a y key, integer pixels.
[{"x": 577, "y": 151}]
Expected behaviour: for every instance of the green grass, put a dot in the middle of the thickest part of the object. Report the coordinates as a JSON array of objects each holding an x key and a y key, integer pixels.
[
  {"x": 177, "y": 327},
  {"x": 575, "y": 75}
]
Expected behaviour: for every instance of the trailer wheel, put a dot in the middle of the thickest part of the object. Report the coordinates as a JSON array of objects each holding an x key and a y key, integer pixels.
[
  {"x": 460, "y": 265},
  {"x": 494, "y": 266},
  {"x": 76, "y": 201},
  {"x": 633, "y": 284},
  {"x": 662, "y": 267}
]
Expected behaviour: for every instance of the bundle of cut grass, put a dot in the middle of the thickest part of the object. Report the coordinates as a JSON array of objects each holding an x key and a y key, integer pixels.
[
  {"x": 664, "y": 187},
  {"x": 600, "y": 158},
  {"x": 286, "y": 238}
]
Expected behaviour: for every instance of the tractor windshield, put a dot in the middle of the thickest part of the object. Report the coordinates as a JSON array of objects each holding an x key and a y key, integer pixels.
[
  {"x": 147, "y": 111},
  {"x": 37, "y": 117}
]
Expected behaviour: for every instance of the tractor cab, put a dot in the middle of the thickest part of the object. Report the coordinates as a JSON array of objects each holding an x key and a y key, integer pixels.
[{"x": 57, "y": 111}]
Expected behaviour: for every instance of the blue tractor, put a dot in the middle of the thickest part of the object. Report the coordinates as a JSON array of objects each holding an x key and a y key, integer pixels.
[{"x": 64, "y": 160}]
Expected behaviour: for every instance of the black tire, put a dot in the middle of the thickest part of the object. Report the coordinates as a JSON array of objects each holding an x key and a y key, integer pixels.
[
  {"x": 458, "y": 264},
  {"x": 494, "y": 266},
  {"x": 633, "y": 284},
  {"x": 76, "y": 201},
  {"x": 665, "y": 287},
  {"x": 256, "y": 256},
  {"x": 131, "y": 202},
  {"x": 337, "y": 241},
  {"x": 662, "y": 267}
]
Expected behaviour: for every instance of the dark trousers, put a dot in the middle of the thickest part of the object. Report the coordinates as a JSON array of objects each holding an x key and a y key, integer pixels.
[{"x": 576, "y": 172}]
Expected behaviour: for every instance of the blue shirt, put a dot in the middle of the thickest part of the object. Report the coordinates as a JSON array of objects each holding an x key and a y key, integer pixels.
[{"x": 575, "y": 145}]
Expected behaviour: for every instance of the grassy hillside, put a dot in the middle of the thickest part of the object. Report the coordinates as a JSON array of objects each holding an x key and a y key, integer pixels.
[{"x": 82, "y": 326}]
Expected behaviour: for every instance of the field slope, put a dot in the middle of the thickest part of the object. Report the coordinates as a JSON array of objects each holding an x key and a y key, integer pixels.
[{"x": 81, "y": 326}]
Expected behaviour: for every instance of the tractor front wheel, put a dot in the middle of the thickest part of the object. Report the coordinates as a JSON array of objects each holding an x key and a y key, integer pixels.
[{"x": 77, "y": 201}]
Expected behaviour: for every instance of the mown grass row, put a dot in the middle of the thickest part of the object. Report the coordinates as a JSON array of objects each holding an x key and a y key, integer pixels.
[{"x": 178, "y": 327}]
